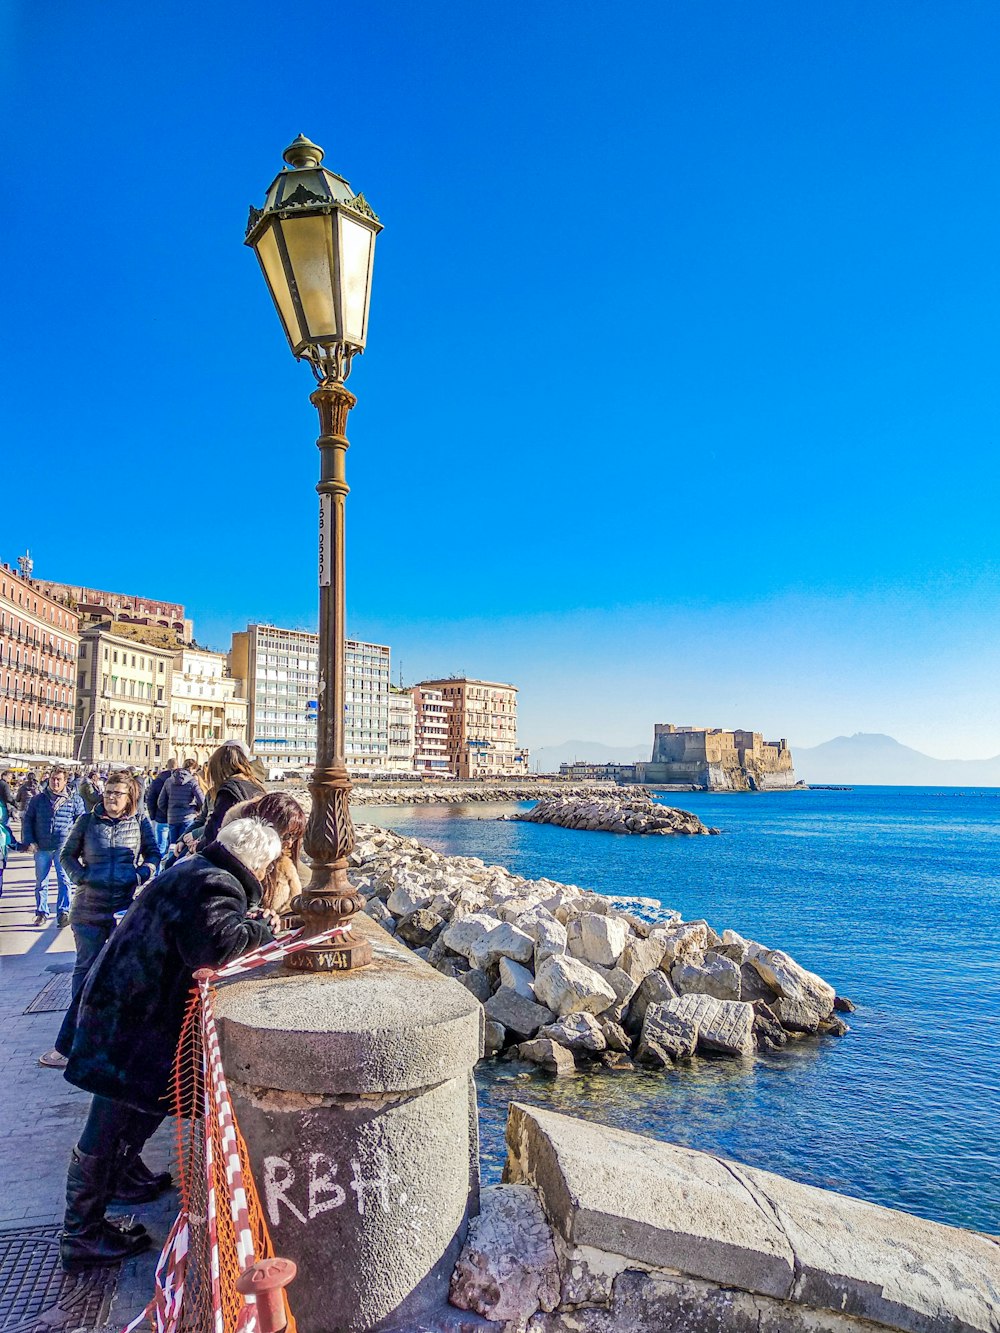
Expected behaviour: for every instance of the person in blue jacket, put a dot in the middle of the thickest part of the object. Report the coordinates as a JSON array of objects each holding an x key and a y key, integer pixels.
[
  {"x": 50, "y": 815},
  {"x": 6, "y": 838}
]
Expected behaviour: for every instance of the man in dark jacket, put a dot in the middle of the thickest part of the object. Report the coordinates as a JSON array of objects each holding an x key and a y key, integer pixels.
[
  {"x": 152, "y": 798},
  {"x": 50, "y": 815},
  {"x": 108, "y": 854},
  {"x": 180, "y": 799},
  {"x": 121, "y": 1032}
]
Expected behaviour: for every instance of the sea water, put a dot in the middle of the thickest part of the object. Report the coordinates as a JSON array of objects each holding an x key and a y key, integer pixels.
[{"x": 892, "y": 895}]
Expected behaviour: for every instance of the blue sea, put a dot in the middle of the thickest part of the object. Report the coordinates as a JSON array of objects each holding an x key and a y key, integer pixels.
[{"x": 892, "y": 895}]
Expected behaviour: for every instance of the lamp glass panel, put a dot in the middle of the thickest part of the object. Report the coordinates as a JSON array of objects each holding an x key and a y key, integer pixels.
[
  {"x": 356, "y": 245},
  {"x": 307, "y": 239},
  {"x": 270, "y": 261}
]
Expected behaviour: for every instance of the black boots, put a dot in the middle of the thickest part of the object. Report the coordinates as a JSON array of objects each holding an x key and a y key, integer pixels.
[
  {"x": 88, "y": 1239},
  {"x": 135, "y": 1183}
]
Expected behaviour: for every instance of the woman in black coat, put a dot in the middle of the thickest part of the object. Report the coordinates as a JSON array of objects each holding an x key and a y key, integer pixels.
[
  {"x": 121, "y": 1032},
  {"x": 231, "y": 780}
]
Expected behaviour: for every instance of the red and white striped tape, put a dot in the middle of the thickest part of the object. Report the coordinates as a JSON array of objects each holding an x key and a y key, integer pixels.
[{"x": 164, "y": 1309}]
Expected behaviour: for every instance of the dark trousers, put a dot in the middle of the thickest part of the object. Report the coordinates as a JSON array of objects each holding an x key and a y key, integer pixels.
[
  {"x": 90, "y": 940},
  {"x": 112, "y": 1125}
]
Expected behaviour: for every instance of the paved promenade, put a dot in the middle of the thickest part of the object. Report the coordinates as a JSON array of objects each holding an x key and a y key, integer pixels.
[{"x": 41, "y": 1119}]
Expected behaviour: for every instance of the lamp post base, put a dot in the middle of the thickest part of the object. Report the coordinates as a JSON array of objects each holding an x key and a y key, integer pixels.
[{"x": 330, "y": 900}]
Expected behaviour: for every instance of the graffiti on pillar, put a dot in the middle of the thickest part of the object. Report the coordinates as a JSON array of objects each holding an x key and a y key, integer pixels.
[{"x": 305, "y": 1188}]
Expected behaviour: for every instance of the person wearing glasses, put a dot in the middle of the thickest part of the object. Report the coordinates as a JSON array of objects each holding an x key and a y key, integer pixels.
[{"x": 108, "y": 854}]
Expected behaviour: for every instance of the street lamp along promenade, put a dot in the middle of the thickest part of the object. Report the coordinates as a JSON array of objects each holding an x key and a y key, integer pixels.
[{"x": 315, "y": 240}]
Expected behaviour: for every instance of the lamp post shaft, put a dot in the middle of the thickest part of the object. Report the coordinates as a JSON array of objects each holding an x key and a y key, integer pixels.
[{"x": 329, "y": 900}]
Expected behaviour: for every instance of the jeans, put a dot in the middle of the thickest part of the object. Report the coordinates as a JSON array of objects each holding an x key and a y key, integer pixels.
[
  {"x": 177, "y": 831},
  {"x": 162, "y": 837},
  {"x": 44, "y": 862},
  {"x": 90, "y": 940}
]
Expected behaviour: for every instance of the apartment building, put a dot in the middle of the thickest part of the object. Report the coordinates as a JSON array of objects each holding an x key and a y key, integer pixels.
[
  {"x": 280, "y": 668},
  {"x": 432, "y": 712},
  {"x": 482, "y": 727},
  {"x": 39, "y": 639},
  {"x": 123, "y": 696},
  {"x": 402, "y": 730},
  {"x": 206, "y": 704}
]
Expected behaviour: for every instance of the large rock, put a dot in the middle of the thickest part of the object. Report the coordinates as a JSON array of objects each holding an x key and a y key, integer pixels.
[
  {"x": 476, "y": 981},
  {"x": 517, "y": 1013},
  {"x": 547, "y": 1053},
  {"x": 420, "y": 928},
  {"x": 517, "y": 978},
  {"x": 549, "y": 936},
  {"x": 624, "y": 986},
  {"x": 655, "y": 989},
  {"x": 577, "y": 1032},
  {"x": 598, "y": 940},
  {"x": 792, "y": 982},
  {"x": 507, "y": 1269},
  {"x": 407, "y": 897},
  {"x": 716, "y": 976},
  {"x": 463, "y": 935},
  {"x": 568, "y": 986},
  {"x": 723, "y": 1025},
  {"x": 504, "y": 941},
  {"x": 640, "y": 957},
  {"x": 685, "y": 940},
  {"x": 667, "y": 1035}
]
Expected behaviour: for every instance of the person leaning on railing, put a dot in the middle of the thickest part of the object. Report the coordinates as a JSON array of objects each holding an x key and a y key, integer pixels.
[{"x": 121, "y": 1032}]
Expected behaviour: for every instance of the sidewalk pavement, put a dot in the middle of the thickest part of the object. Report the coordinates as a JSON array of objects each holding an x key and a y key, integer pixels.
[{"x": 42, "y": 1116}]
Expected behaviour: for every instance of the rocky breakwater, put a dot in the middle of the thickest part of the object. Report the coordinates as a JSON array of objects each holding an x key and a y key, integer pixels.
[
  {"x": 566, "y": 976},
  {"x": 457, "y": 793},
  {"x": 612, "y": 812}
]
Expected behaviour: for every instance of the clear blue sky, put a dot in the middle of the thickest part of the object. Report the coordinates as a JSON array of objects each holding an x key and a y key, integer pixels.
[{"x": 681, "y": 395}]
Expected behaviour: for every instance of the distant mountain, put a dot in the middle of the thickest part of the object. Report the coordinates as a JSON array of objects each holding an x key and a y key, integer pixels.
[
  {"x": 549, "y": 757},
  {"x": 871, "y": 759}
]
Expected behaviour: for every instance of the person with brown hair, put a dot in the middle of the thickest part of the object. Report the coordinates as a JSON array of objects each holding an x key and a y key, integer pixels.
[
  {"x": 288, "y": 819},
  {"x": 231, "y": 779}
]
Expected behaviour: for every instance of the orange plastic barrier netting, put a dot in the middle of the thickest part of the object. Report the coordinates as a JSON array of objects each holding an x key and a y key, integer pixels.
[{"x": 198, "y": 1313}]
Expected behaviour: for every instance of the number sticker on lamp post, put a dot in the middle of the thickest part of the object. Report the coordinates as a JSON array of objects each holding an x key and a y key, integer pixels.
[{"x": 325, "y": 522}]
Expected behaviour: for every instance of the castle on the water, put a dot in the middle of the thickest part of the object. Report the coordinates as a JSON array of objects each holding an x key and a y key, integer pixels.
[{"x": 706, "y": 757}]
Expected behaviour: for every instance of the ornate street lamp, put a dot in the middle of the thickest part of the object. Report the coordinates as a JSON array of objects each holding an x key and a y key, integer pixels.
[{"x": 315, "y": 240}]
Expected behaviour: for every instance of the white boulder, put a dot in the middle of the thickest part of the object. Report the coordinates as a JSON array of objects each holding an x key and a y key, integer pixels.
[{"x": 568, "y": 986}]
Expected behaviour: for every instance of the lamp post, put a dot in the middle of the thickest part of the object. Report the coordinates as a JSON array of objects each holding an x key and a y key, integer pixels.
[{"x": 315, "y": 240}]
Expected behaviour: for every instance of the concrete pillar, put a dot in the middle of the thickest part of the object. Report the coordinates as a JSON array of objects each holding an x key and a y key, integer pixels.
[{"x": 354, "y": 1092}]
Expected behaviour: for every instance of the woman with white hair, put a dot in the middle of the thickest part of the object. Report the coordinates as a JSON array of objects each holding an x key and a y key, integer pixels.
[{"x": 121, "y": 1032}]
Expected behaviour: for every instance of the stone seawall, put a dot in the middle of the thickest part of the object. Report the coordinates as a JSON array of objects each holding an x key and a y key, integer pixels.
[{"x": 596, "y": 1230}]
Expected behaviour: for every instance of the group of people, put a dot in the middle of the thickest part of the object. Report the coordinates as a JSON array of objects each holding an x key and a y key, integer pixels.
[{"x": 233, "y": 852}]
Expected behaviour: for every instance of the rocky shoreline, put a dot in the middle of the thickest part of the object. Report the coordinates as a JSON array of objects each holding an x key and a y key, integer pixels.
[
  {"x": 634, "y": 811},
  {"x": 567, "y": 976},
  {"x": 417, "y": 793}
]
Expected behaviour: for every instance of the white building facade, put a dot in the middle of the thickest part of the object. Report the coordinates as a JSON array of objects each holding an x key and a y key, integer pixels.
[
  {"x": 280, "y": 668},
  {"x": 402, "y": 730},
  {"x": 205, "y": 705}
]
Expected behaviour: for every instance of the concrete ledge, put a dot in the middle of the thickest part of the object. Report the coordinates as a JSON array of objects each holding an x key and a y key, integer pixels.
[
  {"x": 662, "y": 1207},
  {"x": 394, "y": 1026}
]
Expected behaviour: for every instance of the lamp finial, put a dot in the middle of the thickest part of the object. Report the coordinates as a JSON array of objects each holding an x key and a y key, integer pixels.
[{"x": 303, "y": 153}]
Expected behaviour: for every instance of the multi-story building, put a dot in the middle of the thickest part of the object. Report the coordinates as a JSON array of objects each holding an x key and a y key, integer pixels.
[
  {"x": 280, "y": 668},
  {"x": 432, "y": 712},
  {"x": 205, "y": 704},
  {"x": 92, "y": 605},
  {"x": 482, "y": 727},
  {"x": 38, "y": 655},
  {"x": 402, "y": 730},
  {"x": 123, "y": 696}
]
